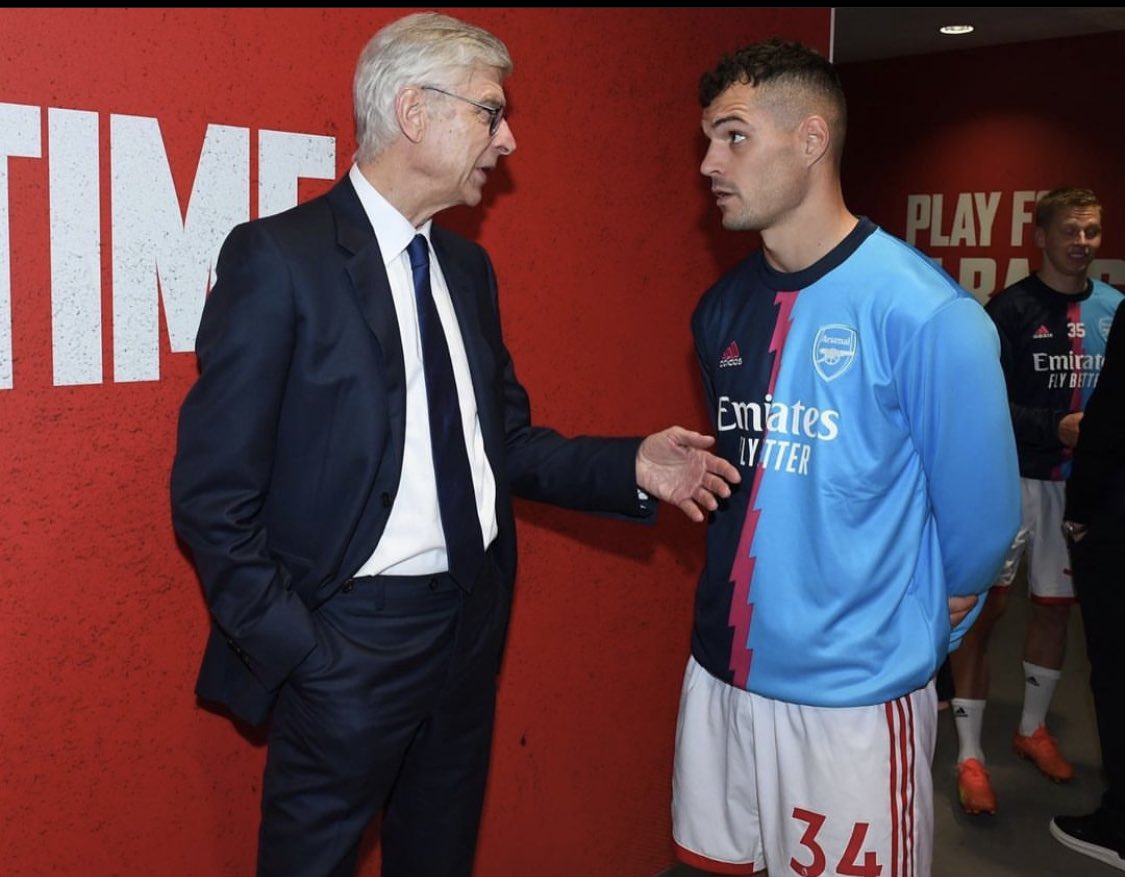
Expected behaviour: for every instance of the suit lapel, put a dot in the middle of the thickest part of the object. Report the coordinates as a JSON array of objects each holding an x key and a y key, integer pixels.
[{"x": 372, "y": 292}]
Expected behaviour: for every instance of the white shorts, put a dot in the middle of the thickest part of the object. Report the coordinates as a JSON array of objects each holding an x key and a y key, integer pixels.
[
  {"x": 760, "y": 783},
  {"x": 1040, "y": 535}
]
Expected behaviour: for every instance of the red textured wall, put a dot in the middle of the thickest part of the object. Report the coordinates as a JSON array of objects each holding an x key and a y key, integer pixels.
[
  {"x": 986, "y": 125},
  {"x": 603, "y": 236}
]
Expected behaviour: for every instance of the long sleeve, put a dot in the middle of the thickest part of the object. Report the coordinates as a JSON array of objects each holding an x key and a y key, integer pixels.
[
  {"x": 959, "y": 421},
  {"x": 225, "y": 454}
]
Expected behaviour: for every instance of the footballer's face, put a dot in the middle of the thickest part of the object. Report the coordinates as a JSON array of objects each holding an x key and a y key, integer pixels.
[{"x": 754, "y": 159}]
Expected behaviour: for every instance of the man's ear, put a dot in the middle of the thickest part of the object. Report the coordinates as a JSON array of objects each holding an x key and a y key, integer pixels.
[
  {"x": 815, "y": 137},
  {"x": 410, "y": 113},
  {"x": 1040, "y": 238}
]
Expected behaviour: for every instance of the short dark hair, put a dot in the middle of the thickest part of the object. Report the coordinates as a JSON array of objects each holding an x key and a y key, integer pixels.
[
  {"x": 1063, "y": 198},
  {"x": 778, "y": 61}
]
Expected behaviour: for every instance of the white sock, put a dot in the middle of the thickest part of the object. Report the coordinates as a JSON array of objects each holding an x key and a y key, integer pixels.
[
  {"x": 968, "y": 717},
  {"x": 1038, "y": 689}
]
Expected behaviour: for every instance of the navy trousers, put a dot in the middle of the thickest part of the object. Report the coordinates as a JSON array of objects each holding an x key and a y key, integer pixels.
[
  {"x": 392, "y": 715},
  {"x": 1098, "y": 562}
]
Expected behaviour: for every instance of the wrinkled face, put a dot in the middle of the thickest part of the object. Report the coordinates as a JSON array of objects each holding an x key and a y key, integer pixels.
[
  {"x": 753, "y": 159},
  {"x": 461, "y": 151},
  {"x": 1071, "y": 241}
]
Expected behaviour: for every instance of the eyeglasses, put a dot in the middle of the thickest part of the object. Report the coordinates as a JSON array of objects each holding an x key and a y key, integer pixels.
[{"x": 495, "y": 114}]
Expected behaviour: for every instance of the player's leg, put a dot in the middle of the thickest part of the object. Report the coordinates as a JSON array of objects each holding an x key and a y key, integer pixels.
[
  {"x": 1052, "y": 594},
  {"x": 970, "y": 663}
]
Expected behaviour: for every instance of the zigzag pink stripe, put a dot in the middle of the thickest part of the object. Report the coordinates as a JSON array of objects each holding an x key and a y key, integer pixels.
[{"x": 741, "y": 574}]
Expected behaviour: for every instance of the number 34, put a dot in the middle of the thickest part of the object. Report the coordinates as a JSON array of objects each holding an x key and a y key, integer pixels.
[{"x": 849, "y": 863}]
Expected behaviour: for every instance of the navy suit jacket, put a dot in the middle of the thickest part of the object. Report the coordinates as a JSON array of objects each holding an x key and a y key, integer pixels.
[{"x": 290, "y": 442}]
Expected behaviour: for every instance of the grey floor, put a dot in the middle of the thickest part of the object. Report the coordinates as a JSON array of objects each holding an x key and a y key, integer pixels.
[{"x": 1014, "y": 842}]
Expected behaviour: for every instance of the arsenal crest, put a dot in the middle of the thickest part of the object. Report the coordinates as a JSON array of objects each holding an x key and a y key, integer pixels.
[{"x": 834, "y": 350}]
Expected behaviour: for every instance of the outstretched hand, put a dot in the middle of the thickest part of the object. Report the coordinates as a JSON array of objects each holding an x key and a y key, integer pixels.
[{"x": 675, "y": 466}]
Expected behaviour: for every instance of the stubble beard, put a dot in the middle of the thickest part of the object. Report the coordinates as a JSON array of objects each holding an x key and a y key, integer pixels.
[{"x": 741, "y": 219}]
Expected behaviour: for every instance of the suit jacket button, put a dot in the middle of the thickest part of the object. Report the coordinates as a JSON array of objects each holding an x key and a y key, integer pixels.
[
  {"x": 387, "y": 500},
  {"x": 348, "y": 586}
]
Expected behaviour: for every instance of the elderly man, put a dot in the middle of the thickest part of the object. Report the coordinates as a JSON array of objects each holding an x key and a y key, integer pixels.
[{"x": 346, "y": 466}]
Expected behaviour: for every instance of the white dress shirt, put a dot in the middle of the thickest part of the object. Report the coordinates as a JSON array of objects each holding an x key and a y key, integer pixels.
[{"x": 413, "y": 542}]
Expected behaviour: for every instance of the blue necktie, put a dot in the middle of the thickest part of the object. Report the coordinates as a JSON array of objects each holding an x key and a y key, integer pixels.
[{"x": 456, "y": 497}]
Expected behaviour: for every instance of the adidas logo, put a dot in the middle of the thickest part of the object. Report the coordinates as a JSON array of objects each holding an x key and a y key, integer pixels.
[
  {"x": 1042, "y": 332},
  {"x": 1032, "y": 681},
  {"x": 731, "y": 356},
  {"x": 960, "y": 712}
]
